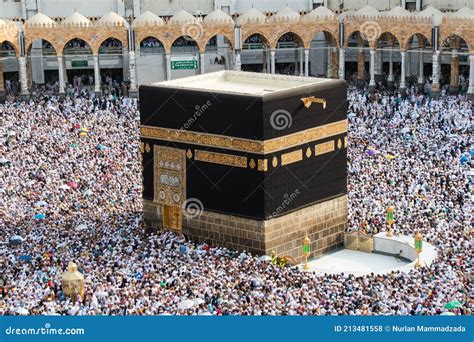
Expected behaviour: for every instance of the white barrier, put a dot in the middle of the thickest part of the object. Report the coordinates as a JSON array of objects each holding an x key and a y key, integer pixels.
[{"x": 404, "y": 247}]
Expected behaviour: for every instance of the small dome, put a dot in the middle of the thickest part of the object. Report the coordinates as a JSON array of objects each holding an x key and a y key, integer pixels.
[
  {"x": 112, "y": 18},
  {"x": 148, "y": 18},
  {"x": 464, "y": 12},
  {"x": 218, "y": 16},
  {"x": 341, "y": 17},
  {"x": 397, "y": 12},
  {"x": 252, "y": 15},
  {"x": 432, "y": 12},
  {"x": 285, "y": 14},
  {"x": 368, "y": 11},
  {"x": 75, "y": 19},
  {"x": 40, "y": 19},
  {"x": 320, "y": 12},
  {"x": 182, "y": 17}
]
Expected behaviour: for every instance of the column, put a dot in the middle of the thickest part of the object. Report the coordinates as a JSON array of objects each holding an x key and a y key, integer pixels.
[
  {"x": 202, "y": 56},
  {"x": 306, "y": 62},
  {"x": 2, "y": 85},
  {"x": 300, "y": 51},
  {"x": 380, "y": 62},
  {"x": 342, "y": 63},
  {"x": 408, "y": 64},
  {"x": 23, "y": 77},
  {"x": 454, "y": 84},
  {"x": 272, "y": 60},
  {"x": 402, "y": 71},
  {"x": 96, "y": 74},
  {"x": 361, "y": 66},
  {"x": 237, "y": 62},
  {"x": 421, "y": 76},
  {"x": 435, "y": 85},
  {"x": 372, "y": 83},
  {"x": 390, "y": 66},
  {"x": 264, "y": 61},
  {"x": 378, "y": 65},
  {"x": 62, "y": 86},
  {"x": 470, "y": 90},
  {"x": 168, "y": 66},
  {"x": 132, "y": 71},
  {"x": 65, "y": 80},
  {"x": 329, "y": 66},
  {"x": 335, "y": 62}
]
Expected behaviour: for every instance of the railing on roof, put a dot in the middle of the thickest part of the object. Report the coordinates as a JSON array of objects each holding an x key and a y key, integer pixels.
[
  {"x": 112, "y": 50},
  {"x": 78, "y": 51},
  {"x": 149, "y": 50}
]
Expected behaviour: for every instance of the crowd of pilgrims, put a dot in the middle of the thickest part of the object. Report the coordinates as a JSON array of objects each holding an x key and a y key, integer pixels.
[{"x": 71, "y": 188}]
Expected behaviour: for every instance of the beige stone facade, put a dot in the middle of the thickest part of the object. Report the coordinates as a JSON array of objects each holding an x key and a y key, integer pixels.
[{"x": 324, "y": 222}]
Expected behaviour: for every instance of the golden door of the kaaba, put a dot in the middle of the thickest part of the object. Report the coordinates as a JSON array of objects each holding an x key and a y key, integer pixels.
[
  {"x": 359, "y": 241},
  {"x": 170, "y": 185},
  {"x": 172, "y": 217}
]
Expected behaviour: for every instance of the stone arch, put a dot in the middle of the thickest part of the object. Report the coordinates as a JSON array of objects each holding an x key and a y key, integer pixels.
[
  {"x": 361, "y": 40},
  {"x": 160, "y": 48},
  {"x": 419, "y": 36},
  {"x": 263, "y": 37},
  {"x": 329, "y": 35},
  {"x": 207, "y": 38},
  {"x": 389, "y": 38},
  {"x": 323, "y": 47},
  {"x": 110, "y": 39},
  {"x": 43, "y": 40},
  {"x": 77, "y": 38},
  {"x": 451, "y": 41},
  {"x": 297, "y": 39},
  {"x": 329, "y": 38},
  {"x": 15, "y": 48},
  {"x": 187, "y": 41}
]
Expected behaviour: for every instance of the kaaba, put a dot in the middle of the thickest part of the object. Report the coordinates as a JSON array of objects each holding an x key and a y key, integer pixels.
[{"x": 245, "y": 160}]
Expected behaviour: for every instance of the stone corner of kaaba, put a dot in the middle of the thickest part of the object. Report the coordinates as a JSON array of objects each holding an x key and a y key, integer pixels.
[{"x": 241, "y": 167}]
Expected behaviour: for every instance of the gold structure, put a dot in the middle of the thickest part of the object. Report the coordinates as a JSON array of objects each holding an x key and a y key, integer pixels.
[
  {"x": 390, "y": 220},
  {"x": 262, "y": 165},
  {"x": 246, "y": 145},
  {"x": 306, "y": 250},
  {"x": 73, "y": 282},
  {"x": 418, "y": 248},
  {"x": 359, "y": 241},
  {"x": 324, "y": 148},
  {"x": 172, "y": 217},
  {"x": 170, "y": 176},
  {"x": 308, "y": 101},
  {"x": 291, "y": 157},
  {"x": 220, "y": 158}
]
